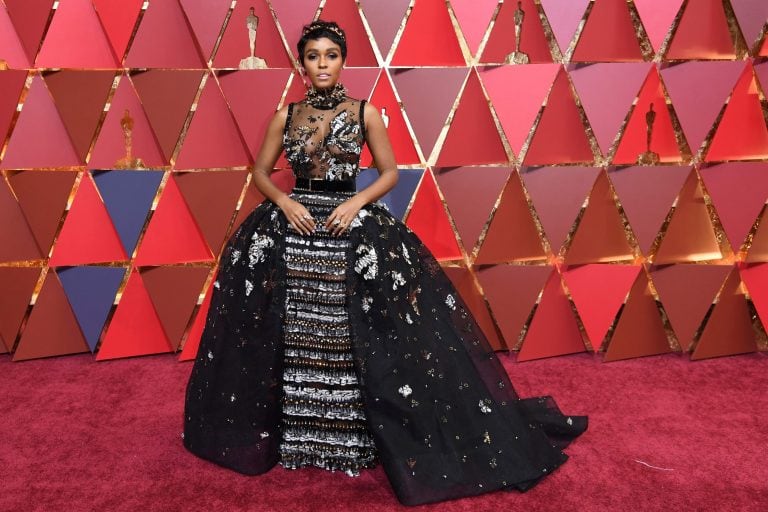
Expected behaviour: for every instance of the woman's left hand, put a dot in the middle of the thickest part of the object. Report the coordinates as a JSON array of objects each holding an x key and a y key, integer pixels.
[{"x": 345, "y": 213}]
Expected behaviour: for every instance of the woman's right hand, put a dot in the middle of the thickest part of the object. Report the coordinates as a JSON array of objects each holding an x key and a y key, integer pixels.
[{"x": 297, "y": 215}]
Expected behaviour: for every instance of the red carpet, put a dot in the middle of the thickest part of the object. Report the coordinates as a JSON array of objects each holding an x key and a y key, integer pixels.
[{"x": 665, "y": 434}]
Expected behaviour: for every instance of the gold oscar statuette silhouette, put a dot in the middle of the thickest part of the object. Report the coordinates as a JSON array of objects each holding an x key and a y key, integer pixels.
[
  {"x": 252, "y": 62},
  {"x": 648, "y": 157},
  {"x": 385, "y": 117},
  {"x": 518, "y": 57},
  {"x": 3, "y": 65},
  {"x": 128, "y": 161}
]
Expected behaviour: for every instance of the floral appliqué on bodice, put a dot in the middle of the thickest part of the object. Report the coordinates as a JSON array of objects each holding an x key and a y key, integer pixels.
[{"x": 322, "y": 143}]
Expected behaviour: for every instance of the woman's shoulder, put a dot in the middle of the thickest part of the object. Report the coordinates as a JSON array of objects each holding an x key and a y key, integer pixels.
[
  {"x": 282, "y": 113},
  {"x": 280, "y": 118}
]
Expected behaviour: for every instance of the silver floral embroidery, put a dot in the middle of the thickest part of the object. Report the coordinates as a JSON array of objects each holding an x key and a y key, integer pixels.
[
  {"x": 340, "y": 170},
  {"x": 344, "y": 134},
  {"x": 256, "y": 250},
  {"x": 216, "y": 284},
  {"x": 367, "y": 263},
  {"x": 405, "y": 390},
  {"x": 408, "y": 318},
  {"x": 450, "y": 301},
  {"x": 248, "y": 287},
  {"x": 397, "y": 279},
  {"x": 367, "y": 301},
  {"x": 358, "y": 220},
  {"x": 235, "y": 255},
  {"x": 210, "y": 355},
  {"x": 264, "y": 434},
  {"x": 483, "y": 407},
  {"x": 569, "y": 420},
  {"x": 406, "y": 255}
]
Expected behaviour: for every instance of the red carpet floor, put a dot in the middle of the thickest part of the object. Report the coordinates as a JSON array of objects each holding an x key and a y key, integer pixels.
[{"x": 665, "y": 434}]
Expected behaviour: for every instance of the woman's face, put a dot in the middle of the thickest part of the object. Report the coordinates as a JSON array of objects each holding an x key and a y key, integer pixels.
[{"x": 322, "y": 62}]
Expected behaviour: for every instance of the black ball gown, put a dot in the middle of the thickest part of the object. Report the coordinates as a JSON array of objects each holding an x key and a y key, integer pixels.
[{"x": 345, "y": 352}]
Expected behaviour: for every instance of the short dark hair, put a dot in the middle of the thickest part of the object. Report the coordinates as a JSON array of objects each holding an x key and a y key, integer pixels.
[{"x": 322, "y": 28}]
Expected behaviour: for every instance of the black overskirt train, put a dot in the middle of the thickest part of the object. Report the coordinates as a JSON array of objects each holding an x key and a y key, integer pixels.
[{"x": 444, "y": 416}]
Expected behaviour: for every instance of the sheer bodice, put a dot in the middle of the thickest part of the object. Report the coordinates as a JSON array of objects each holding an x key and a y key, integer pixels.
[{"x": 322, "y": 143}]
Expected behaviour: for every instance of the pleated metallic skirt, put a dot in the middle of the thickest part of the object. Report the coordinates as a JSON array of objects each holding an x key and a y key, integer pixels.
[{"x": 323, "y": 418}]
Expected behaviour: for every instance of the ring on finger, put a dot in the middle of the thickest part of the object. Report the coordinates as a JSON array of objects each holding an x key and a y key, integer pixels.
[{"x": 337, "y": 222}]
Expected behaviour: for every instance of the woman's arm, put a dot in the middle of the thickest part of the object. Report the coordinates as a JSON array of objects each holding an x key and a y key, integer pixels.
[
  {"x": 271, "y": 147},
  {"x": 383, "y": 156},
  {"x": 270, "y": 150}
]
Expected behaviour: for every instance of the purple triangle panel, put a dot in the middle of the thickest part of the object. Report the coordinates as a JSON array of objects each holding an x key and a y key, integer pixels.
[
  {"x": 128, "y": 196},
  {"x": 91, "y": 292},
  {"x": 397, "y": 199}
]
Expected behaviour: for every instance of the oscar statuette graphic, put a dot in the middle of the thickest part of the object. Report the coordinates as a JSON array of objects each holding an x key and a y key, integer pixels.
[
  {"x": 648, "y": 157},
  {"x": 252, "y": 62},
  {"x": 128, "y": 161},
  {"x": 518, "y": 57},
  {"x": 3, "y": 65},
  {"x": 385, "y": 117}
]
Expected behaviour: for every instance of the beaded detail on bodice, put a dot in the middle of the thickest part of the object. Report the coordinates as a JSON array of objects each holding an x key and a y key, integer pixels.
[{"x": 325, "y": 143}]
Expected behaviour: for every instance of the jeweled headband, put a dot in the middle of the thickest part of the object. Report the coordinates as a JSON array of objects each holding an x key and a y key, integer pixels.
[{"x": 315, "y": 26}]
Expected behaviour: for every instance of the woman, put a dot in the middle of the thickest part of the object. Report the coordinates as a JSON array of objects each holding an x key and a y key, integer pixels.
[{"x": 334, "y": 339}]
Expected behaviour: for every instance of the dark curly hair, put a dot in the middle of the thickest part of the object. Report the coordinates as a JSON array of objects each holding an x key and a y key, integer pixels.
[{"x": 322, "y": 28}]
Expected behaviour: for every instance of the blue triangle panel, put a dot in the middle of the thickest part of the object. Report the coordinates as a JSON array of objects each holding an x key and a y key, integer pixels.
[
  {"x": 398, "y": 198},
  {"x": 128, "y": 197},
  {"x": 91, "y": 292}
]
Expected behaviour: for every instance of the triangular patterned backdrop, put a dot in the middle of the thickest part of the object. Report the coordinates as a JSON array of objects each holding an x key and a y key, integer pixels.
[{"x": 582, "y": 160}]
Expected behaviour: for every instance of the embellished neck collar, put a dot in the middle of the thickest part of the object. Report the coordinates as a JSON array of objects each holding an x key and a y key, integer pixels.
[{"x": 328, "y": 98}]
